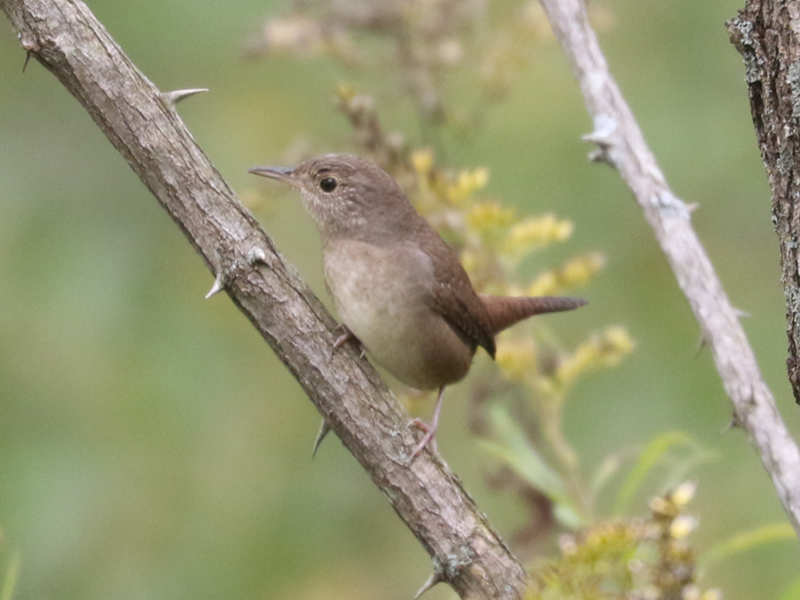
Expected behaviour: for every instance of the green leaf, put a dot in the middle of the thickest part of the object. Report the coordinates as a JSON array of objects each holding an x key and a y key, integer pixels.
[
  {"x": 10, "y": 579},
  {"x": 607, "y": 469},
  {"x": 566, "y": 515},
  {"x": 678, "y": 472},
  {"x": 528, "y": 465},
  {"x": 791, "y": 591},
  {"x": 651, "y": 456},
  {"x": 747, "y": 540},
  {"x": 517, "y": 452}
]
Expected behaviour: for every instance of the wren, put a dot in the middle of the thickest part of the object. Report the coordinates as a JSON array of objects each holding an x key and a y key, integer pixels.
[{"x": 399, "y": 289}]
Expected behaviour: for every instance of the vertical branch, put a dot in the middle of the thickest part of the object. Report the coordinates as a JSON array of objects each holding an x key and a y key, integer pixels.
[{"x": 766, "y": 35}]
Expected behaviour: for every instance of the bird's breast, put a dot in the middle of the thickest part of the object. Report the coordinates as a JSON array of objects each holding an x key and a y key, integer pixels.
[{"x": 382, "y": 293}]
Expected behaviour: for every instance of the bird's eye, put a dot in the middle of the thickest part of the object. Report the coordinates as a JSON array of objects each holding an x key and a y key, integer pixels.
[{"x": 328, "y": 184}]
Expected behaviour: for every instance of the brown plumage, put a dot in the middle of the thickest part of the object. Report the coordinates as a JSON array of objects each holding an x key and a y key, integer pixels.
[
  {"x": 397, "y": 286},
  {"x": 505, "y": 311}
]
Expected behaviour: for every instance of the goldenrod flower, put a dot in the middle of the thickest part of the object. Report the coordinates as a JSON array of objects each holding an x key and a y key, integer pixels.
[
  {"x": 485, "y": 216},
  {"x": 516, "y": 358},
  {"x": 579, "y": 271},
  {"x": 546, "y": 284},
  {"x": 683, "y": 494},
  {"x": 536, "y": 232},
  {"x": 603, "y": 350},
  {"x": 422, "y": 160},
  {"x": 682, "y": 526}
]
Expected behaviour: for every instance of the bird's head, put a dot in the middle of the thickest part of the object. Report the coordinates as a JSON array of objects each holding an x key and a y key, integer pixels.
[{"x": 345, "y": 195}]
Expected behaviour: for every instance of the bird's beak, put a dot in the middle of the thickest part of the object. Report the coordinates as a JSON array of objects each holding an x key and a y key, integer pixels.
[{"x": 280, "y": 173}]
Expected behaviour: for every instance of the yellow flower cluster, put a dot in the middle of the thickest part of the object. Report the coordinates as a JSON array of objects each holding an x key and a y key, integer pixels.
[
  {"x": 575, "y": 273},
  {"x": 422, "y": 161},
  {"x": 682, "y": 526},
  {"x": 475, "y": 179},
  {"x": 599, "y": 558},
  {"x": 603, "y": 350},
  {"x": 451, "y": 189},
  {"x": 692, "y": 592},
  {"x": 579, "y": 271},
  {"x": 617, "y": 534},
  {"x": 535, "y": 232},
  {"x": 456, "y": 190},
  {"x": 670, "y": 505},
  {"x": 484, "y": 217},
  {"x": 519, "y": 360},
  {"x": 345, "y": 92},
  {"x": 516, "y": 358}
]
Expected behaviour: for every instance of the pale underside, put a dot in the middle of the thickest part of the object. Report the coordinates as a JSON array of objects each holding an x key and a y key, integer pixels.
[{"x": 383, "y": 294}]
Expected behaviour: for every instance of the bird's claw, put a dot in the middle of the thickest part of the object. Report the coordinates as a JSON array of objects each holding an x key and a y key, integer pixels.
[
  {"x": 428, "y": 428},
  {"x": 428, "y": 438},
  {"x": 346, "y": 337}
]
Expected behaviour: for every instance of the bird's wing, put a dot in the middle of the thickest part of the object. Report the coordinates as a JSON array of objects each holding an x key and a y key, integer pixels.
[{"x": 453, "y": 296}]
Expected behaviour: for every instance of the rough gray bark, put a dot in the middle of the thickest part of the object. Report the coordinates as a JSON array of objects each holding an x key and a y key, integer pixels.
[
  {"x": 142, "y": 124},
  {"x": 621, "y": 144},
  {"x": 766, "y": 34}
]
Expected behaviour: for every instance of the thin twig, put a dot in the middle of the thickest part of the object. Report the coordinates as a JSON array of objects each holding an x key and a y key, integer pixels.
[
  {"x": 67, "y": 39},
  {"x": 621, "y": 144}
]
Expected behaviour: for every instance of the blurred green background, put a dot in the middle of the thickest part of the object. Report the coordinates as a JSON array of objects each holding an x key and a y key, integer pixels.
[{"x": 151, "y": 445}]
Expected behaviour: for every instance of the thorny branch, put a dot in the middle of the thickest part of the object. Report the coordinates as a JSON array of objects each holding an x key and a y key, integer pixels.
[
  {"x": 66, "y": 38},
  {"x": 621, "y": 144}
]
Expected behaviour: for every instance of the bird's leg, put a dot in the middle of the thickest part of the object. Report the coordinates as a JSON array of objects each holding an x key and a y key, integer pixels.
[
  {"x": 346, "y": 336},
  {"x": 429, "y": 429}
]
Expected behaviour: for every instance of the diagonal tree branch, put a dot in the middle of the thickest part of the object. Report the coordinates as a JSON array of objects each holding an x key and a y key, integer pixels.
[
  {"x": 621, "y": 144},
  {"x": 142, "y": 124}
]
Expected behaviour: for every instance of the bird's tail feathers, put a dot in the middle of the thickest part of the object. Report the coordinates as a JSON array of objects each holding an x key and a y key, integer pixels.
[{"x": 505, "y": 311}]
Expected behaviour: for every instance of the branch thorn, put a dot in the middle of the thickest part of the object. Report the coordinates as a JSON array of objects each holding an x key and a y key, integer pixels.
[
  {"x": 741, "y": 314},
  {"x": 600, "y": 155},
  {"x": 436, "y": 577},
  {"x": 324, "y": 429},
  {"x": 175, "y": 96},
  {"x": 30, "y": 46},
  {"x": 27, "y": 60},
  {"x": 701, "y": 345},
  {"x": 604, "y": 127},
  {"x": 218, "y": 285},
  {"x": 732, "y": 424}
]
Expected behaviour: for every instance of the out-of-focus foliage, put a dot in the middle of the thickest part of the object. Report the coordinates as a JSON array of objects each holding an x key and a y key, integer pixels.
[
  {"x": 152, "y": 446},
  {"x": 636, "y": 559},
  {"x": 423, "y": 42},
  {"x": 9, "y": 570}
]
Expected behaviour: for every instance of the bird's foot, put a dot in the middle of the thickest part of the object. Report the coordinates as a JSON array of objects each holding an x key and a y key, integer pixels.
[
  {"x": 429, "y": 429},
  {"x": 347, "y": 336},
  {"x": 428, "y": 438}
]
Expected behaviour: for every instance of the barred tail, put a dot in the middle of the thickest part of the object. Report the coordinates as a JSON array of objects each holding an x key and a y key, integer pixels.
[{"x": 504, "y": 311}]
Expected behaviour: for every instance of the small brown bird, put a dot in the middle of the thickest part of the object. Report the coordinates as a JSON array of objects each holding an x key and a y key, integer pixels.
[{"x": 397, "y": 286}]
